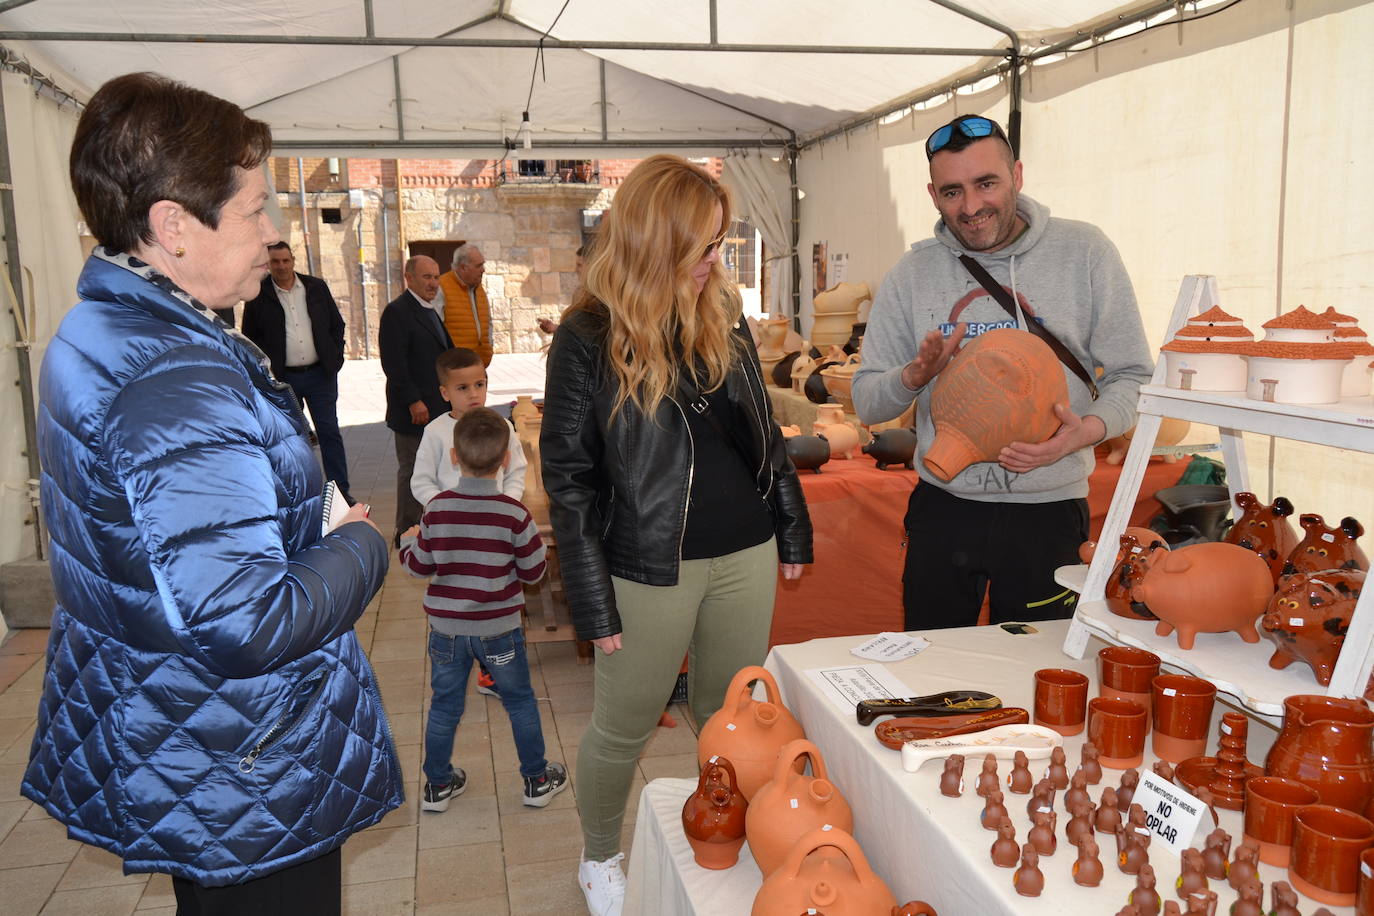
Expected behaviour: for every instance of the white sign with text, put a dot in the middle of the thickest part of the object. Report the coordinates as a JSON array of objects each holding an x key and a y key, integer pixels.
[{"x": 1171, "y": 813}]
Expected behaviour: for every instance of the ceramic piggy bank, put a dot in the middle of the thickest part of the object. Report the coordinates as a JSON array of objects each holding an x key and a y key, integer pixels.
[
  {"x": 893, "y": 446},
  {"x": 1308, "y": 617},
  {"x": 1206, "y": 588},
  {"x": 843, "y": 438},
  {"x": 1326, "y": 548},
  {"x": 807, "y": 452},
  {"x": 1140, "y": 547},
  {"x": 1266, "y": 530}
]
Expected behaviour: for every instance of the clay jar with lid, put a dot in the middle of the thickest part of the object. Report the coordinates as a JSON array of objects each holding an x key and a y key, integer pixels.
[
  {"x": 1327, "y": 844},
  {"x": 1182, "y": 708},
  {"x": 1118, "y": 729},
  {"x": 1127, "y": 673},
  {"x": 1325, "y": 742},
  {"x": 713, "y": 816},
  {"x": 747, "y": 732},
  {"x": 792, "y": 804},
  {"x": 824, "y": 872},
  {"x": 1061, "y": 700},
  {"x": 1270, "y": 803}
]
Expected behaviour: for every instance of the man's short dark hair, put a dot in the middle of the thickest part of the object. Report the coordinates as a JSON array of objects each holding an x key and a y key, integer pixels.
[
  {"x": 455, "y": 358},
  {"x": 481, "y": 438},
  {"x": 145, "y": 138},
  {"x": 278, "y": 246}
]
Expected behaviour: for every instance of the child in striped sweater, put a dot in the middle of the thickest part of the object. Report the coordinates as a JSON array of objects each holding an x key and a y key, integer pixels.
[{"x": 478, "y": 546}]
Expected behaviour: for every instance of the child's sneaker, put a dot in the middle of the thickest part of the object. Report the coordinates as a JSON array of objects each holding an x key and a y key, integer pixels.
[
  {"x": 603, "y": 885},
  {"x": 540, "y": 790},
  {"x": 436, "y": 797},
  {"x": 487, "y": 684}
]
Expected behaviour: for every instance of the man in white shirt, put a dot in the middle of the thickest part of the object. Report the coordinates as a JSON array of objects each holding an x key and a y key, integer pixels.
[{"x": 296, "y": 323}]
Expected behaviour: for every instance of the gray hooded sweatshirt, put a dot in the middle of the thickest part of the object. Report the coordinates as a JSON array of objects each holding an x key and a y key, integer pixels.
[{"x": 1063, "y": 272}]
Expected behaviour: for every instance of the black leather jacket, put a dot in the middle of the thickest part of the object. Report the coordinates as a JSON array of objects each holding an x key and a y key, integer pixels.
[{"x": 618, "y": 491}]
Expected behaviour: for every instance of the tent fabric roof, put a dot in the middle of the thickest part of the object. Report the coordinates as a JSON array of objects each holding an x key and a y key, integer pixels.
[{"x": 352, "y": 93}]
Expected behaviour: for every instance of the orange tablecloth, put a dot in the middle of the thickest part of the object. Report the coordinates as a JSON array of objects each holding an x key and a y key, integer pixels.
[{"x": 855, "y": 585}]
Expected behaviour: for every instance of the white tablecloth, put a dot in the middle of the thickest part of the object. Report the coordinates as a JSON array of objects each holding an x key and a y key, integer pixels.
[{"x": 924, "y": 845}]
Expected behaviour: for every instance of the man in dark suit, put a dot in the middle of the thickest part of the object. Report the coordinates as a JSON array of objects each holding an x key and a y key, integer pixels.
[
  {"x": 296, "y": 323},
  {"x": 411, "y": 337}
]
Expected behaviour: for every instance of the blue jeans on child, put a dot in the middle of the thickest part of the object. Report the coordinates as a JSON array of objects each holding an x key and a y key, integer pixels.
[{"x": 450, "y": 661}]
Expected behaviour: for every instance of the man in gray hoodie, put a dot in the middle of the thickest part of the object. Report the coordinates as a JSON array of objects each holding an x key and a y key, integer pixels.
[{"x": 1006, "y": 524}]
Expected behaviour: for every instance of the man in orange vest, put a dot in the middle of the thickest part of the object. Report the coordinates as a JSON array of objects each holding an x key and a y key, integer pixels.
[{"x": 467, "y": 315}]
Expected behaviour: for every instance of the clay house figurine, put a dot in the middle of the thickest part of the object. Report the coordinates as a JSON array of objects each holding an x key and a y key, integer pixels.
[
  {"x": 1299, "y": 361},
  {"x": 1355, "y": 379},
  {"x": 952, "y": 779},
  {"x": 1204, "y": 355}
]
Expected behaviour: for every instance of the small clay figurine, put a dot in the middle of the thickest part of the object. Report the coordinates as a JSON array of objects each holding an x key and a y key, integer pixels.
[
  {"x": 1135, "y": 822},
  {"x": 952, "y": 779},
  {"x": 1129, "y": 910},
  {"x": 1203, "y": 903},
  {"x": 1058, "y": 772},
  {"x": 1006, "y": 852},
  {"x": 1080, "y": 822},
  {"x": 1164, "y": 770},
  {"x": 1107, "y": 818},
  {"x": 1028, "y": 879},
  {"x": 1251, "y": 902},
  {"x": 1323, "y": 911},
  {"x": 1020, "y": 780},
  {"x": 993, "y": 810},
  {"x": 1078, "y": 791},
  {"x": 1041, "y": 797},
  {"x": 1144, "y": 897},
  {"x": 1204, "y": 795},
  {"x": 1191, "y": 878},
  {"x": 1041, "y": 835},
  {"x": 1216, "y": 854},
  {"x": 1133, "y": 842},
  {"x": 1171, "y": 908},
  {"x": 1244, "y": 867},
  {"x": 1088, "y": 764},
  {"x": 1125, "y": 790},
  {"x": 1087, "y": 869},
  {"x": 1285, "y": 900},
  {"x": 987, "y": 780}
]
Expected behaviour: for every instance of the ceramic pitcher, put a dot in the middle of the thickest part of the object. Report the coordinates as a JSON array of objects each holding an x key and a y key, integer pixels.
[
  {"x": 825, "y": 872},
  {"x": 713, "y": 816},
  {"x": 792, "y": 804},
  {"x": 1326, "y": 743},
  {"x": 747, "y": 732}
]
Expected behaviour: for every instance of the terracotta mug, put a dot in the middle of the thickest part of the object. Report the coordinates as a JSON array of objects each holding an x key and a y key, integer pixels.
[
  {"x": 1118, "y": 728},
  {"x": 1327, "y": 845},
  {"x": 1182, "y": 707},
  {"x": 1270, "y": 803},
  {"x": 1061, "y": 700},
  {"x": 1127, "y": 673},
  {"x": 1364, "y": 898}
]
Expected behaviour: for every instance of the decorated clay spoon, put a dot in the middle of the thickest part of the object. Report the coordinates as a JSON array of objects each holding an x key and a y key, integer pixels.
[{"x": 1002, "y": 742}]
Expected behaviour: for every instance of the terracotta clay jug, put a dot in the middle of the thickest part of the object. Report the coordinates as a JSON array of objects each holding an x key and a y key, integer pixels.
[
  {"x": 826, "y": 872},
  {"x": 713, "y": 816},
  {"x": 749, "y": 733},
  {"x": 1325, "y": 742},
  {"x": 998, "y": 389},
  {"x": 792, "y": 804}
]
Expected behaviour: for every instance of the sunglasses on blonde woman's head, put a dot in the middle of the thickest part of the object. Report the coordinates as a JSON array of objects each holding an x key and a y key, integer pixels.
[{"x": 715, "y": 245}]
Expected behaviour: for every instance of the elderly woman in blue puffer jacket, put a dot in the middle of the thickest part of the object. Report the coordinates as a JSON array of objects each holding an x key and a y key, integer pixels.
[{"x": 207, "y": 710}]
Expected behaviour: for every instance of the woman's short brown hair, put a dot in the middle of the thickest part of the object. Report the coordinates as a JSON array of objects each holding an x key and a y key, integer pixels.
[{"x": 145, "y": 138}]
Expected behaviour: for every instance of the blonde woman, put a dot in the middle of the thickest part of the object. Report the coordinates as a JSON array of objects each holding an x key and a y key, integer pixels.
[{"x": 672, "y": 500}]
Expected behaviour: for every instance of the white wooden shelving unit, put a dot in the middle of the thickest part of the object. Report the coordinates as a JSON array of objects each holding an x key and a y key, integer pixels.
[{"x": 1238, "y": 668}]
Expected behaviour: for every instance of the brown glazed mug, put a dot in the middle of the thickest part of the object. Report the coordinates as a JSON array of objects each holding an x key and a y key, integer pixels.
[
  {"x": 1270, "y": 803},
  {"x": 1061, "y": 700},
  {"x": 1127, "y": 673},
  {"x": 1118, "y": 728},
  {"x": 1182, "y": 707},
  {"x": 1364, "y": 897},
  {"x": 1327, "y": 845}
]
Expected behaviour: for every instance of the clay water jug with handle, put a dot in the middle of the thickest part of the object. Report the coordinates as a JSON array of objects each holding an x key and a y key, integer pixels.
[
  {"x": 748, "y": 732},
  {"x": 825, "y": 872},
  {"x": 713, "y": 816},
  {"x": 792, "y": 804},
  {"x": 999, "y": 389},
  {"x": 1325, "y": 743}
]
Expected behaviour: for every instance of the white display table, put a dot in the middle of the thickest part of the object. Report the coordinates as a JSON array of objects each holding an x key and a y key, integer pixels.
[{"x": 925, "y": 846}]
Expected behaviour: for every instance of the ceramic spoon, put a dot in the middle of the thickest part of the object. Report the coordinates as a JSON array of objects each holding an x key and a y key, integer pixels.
[{"x": 1036, "y": 741}]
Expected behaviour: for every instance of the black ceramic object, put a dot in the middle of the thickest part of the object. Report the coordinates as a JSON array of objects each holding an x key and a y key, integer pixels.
[
  {"x": 851, "y": 345},
  {"x": 1203, "y": 506},
  {"x": 893, "y": 446},
  {"x": 815, "y": 389},
  {"x": 782, "y": 370},
  {"x": 808, "y": 452}
]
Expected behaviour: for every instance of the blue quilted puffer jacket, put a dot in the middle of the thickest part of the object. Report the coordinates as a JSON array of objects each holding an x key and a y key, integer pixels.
[{"x": 207, "y": 710}]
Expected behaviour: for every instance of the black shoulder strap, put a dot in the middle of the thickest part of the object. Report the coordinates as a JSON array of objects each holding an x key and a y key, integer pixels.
[
  {"x": 695, "y": 401},
  {"x": 1039, "y": 330}
]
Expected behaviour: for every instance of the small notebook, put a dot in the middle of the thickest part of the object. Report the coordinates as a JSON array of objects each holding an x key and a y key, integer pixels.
[{"x": 335, "y": 507}]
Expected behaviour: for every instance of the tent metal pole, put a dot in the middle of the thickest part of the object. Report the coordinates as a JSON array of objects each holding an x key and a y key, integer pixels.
[
  {"x": 21, "y": 350},
  {"x": 367, "y": 18},
  {"x": 8, "y": 5},
  {"x": 796, "y": 233},
  {"x": 400, "y": 103},
  {"x": 305, "y": 219},
  {"x": 605, "y": 134},
  {"x": 715, "y": 34},
  {"x": 494, "y": 147}
]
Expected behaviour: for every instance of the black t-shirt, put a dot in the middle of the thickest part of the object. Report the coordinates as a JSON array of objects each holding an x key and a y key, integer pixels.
[{"x": 725, "y": 511}]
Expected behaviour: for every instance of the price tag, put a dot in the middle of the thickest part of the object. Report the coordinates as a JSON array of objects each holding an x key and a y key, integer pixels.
[{"x": 1171, "y": 814}]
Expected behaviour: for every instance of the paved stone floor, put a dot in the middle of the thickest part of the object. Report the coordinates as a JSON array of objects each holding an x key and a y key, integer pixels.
[{"x": 488, "y": 855}]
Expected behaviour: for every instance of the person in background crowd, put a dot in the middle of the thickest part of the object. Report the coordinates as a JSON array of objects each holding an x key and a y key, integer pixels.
[
  {"x": 672, "y": 500},
  {"x": 1012, "y": 522},
  {"x": 467, "y": 314},
  {"x": 207, "y": 710},
  {"x": 294, "y": 320}
]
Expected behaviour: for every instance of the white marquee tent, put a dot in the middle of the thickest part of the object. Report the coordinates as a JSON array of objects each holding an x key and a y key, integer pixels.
[{"x": 1228, "y": 137}]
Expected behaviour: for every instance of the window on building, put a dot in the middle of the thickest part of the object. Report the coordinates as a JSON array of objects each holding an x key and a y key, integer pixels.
[
  {"x": 530, "y": 168},
  {"x": 740, "y": 256}
]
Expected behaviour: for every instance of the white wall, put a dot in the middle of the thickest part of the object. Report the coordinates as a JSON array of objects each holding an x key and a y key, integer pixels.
[{"x": 1242, "y": 149}]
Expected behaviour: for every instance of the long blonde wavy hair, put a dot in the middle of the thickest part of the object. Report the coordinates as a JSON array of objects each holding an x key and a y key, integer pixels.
[{"x": 640, "y": 270}]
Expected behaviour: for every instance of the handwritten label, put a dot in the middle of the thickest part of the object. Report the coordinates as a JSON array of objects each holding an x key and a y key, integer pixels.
[
  {"x": 891, "y": 647},
  {"x": 1171, "y": 814}
]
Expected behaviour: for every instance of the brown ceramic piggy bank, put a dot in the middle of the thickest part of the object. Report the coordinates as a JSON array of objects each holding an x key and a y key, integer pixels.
[
  {"x": 1326, "y": 548},
  {"x": 1266, "y": 530},
  {"x": 1206, "y": 588},
  {"x": 1139, "y": 549},
  {"x": 1308, "y": 617}
]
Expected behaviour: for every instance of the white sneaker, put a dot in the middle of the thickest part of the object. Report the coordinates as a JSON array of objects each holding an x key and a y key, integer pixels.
[{"x": 603, "y": 885}]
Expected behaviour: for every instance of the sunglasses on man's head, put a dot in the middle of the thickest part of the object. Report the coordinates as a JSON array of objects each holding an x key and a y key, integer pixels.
[{"x": 972, "y": 126}]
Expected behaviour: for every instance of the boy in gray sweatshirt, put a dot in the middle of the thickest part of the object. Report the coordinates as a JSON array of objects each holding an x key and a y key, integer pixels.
[{"x": 1009, "y": 523}]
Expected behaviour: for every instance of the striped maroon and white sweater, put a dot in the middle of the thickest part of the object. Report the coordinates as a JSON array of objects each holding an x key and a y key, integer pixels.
[{"x": 479, "y": 546}]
